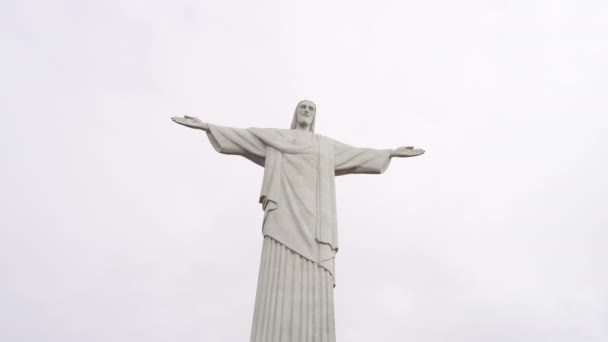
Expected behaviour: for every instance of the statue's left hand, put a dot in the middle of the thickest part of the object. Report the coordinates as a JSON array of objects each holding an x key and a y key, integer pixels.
[{"x": 406, "y": 151}]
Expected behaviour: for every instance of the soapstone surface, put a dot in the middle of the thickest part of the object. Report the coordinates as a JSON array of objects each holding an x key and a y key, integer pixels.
[{"x": 294, "y": 299}]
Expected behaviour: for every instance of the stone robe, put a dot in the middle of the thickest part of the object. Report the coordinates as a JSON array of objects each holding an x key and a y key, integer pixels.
[{"x": 299, "y": 228}]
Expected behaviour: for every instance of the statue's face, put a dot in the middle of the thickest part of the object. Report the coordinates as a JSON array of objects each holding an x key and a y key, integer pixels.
[{"x": 305, "y": 113}]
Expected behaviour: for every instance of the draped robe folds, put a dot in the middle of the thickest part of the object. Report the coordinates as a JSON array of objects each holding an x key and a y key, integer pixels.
[{"x": 298, "y": 191}]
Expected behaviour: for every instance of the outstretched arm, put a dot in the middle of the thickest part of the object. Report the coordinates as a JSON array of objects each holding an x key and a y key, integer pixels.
[
  {"x": 228, "y": 140},
  {"x": 349, "y": 159}
]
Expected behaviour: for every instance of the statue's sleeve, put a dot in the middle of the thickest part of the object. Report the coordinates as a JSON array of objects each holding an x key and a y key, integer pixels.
[
  {"x": 240, "y": 141},
  {"x": 349, "y": 159}
]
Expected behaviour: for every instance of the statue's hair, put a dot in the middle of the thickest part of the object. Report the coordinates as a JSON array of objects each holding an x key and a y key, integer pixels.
[{"x": 294, "y": 121}]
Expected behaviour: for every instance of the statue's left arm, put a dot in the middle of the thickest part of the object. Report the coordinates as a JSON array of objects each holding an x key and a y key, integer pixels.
[{"x": 349, "y": 159}]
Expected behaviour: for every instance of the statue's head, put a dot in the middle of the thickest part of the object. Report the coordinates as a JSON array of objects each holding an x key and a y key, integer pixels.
[{"x": 304, "y": 115}]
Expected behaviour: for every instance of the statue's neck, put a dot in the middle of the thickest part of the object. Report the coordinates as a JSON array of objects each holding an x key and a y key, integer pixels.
[
  {"x": 303, "y": 128},
  {"x": 303, "y": 134}
]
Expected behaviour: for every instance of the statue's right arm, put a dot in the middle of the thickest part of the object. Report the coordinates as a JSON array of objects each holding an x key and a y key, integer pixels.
[{"x": 228, "y": 140}]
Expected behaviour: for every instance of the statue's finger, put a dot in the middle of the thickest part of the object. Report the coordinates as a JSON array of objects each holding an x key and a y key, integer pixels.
[{"x": 182, "y": 122}]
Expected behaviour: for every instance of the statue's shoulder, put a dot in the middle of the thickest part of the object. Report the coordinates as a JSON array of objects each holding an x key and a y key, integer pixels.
[
  {"x": 286, "y": 135},
  {"x": 270, "y": 135},
  {"x": 266, "y": 131},
  {"x": 321, "y": 136},
  {"x": 325, "y": 139},
  {"x": 277, "y": 132}
]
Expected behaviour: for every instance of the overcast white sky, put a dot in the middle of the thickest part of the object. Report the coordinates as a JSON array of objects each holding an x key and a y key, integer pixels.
[{"x": 116, "y": 225}]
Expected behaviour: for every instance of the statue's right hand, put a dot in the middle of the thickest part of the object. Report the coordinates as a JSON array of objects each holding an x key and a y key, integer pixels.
[{"x": 191, "y": 121}]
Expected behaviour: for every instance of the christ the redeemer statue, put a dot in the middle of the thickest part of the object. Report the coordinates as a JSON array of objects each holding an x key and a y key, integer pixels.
[{"x": 294, "y": 299}]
